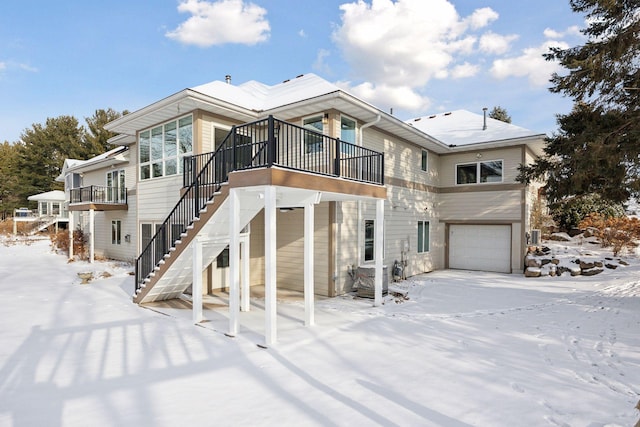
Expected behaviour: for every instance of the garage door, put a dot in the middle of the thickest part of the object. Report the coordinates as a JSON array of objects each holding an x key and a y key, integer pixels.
[{"x": 480, "y": 247}]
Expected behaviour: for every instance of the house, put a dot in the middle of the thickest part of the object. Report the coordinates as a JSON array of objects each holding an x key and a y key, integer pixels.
[
  {"x": 51, "y": 212},
  {"x": 300, "y": 185}
]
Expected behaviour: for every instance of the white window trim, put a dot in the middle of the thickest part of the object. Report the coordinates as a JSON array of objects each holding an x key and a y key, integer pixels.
[
  {"x": 424, "y": 152},
  {"x": 118, "y": 239},
  {"x": 179, "y": 156},
  {"x": 324, "y": 132},
  {"x": 418, "y": 249},
  {"x": 477, "y": 163},
  {"x": 116, "y": 197}
]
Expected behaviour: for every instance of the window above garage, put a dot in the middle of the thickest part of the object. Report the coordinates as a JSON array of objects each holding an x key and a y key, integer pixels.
[{"x": 490, "y": 171}]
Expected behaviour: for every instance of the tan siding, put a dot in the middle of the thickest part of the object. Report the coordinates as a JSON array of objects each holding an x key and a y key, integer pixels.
[{"x": 484, "y": 205}]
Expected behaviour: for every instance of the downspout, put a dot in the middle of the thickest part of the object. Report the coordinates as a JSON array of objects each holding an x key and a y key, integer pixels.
[{"x": 359, "y": 225}]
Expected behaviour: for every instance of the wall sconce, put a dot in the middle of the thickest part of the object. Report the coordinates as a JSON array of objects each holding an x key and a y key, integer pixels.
[
  {"x": 478, "y": 156},
  {"x": 127, "y": 238},
  {"x": 325, "y": 118}
]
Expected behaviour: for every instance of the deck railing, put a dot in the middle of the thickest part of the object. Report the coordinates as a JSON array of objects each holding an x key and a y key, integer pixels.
[
  {"x": 265, "y": 143},
  {"x": 270, "y": 142},
  {"x": 98, "y": 194}
]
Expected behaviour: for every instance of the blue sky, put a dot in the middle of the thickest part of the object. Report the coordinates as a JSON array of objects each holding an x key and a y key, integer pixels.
[{"x": 71, "y": 57}]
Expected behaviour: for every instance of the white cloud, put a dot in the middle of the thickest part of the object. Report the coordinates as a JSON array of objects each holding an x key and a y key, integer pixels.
[
  {"x": 319, "y": 64},
  {"x": 530, "y": 64},
  {"x": 480, "y": 18},
  {"x": 387, "y": 97},
  {"x": 302, "y": 34},
  {"x": 27, "y": 67},
  {"x": 406, "y": 42},
  {"x": 493, "y": 43},
  {"x": 574, "y": 30},
  {"x": 3, "y": 66},
  {"x": 220, "y": 22},
  {"x": 464, "y": 70}
]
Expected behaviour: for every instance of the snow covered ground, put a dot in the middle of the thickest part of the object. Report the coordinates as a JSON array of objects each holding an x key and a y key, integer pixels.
[{"x": 466, "y": 349}]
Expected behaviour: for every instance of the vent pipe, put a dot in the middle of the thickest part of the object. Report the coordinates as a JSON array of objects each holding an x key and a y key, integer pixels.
[
  {"x": 484, "y": 125},
  {"x": 227, "y": 79}
]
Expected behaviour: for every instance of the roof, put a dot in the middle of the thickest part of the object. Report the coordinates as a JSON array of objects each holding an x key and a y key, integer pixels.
[
  {"x": 308, "y": 94},
  {"x": 55, "y": 195},
  {"x": 111, "y": 157},
  {"x": 462, "y": 128}
]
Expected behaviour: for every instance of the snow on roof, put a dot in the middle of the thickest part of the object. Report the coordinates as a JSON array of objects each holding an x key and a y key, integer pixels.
[
  {"x": 259, "y": 96},
  {"x": 462, "y": 127},
  {"x": 99, "y": 158},
  {"x": 49, "y": 195}
]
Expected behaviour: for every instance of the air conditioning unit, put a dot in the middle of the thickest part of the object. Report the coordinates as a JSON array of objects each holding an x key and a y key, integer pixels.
[{"x": 536, "y": 237}]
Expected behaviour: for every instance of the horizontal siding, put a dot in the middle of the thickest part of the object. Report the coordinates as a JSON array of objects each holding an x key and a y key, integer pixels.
[
  {"x": 157, "y": 197},
  {"x": 481, "y": 206}
]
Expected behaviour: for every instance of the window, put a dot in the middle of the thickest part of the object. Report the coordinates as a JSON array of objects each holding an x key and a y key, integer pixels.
[
  {"x": 44, "y": 208},
  {"x": 222, "y": 261},
  {"x": 347, "y": 134},
  {"x": 163, "y": 147},
  {"x": 313, "y": 142},
  {"x": 116, "y": 191},
  {"x": 116, "y": 232},
  {"x": 55, "y": 208},
  {"x": 369, "y": 230},
  {"x": 424, "y": 164},
  {"x": 480, "y": 172},
  {"x": 423, "y": 236}
]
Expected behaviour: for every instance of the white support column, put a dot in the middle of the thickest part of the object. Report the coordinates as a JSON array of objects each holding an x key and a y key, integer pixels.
[
  {"x": 92, "y": 240},
  {"x": 245, "y": 294},
  {"x": 379, "y": 251},
  {"x": 15, "y": 227},
  {"x": 270, "y": 247},
  {"x": 196, "y": 287},
  {"x": 234, "y": 262},
  {"x": 71, "y": 227},
  {"x": 309, "y": 317}
]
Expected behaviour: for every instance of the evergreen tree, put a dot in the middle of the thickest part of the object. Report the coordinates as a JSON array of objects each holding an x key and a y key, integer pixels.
[
  {"x": 96, "y": 136},
  {"x": 597, "y": 148},
  {"x": 44, "y": 149},
  {"x": 501, "y": 114},
  {"x": 9, "y": 182}
]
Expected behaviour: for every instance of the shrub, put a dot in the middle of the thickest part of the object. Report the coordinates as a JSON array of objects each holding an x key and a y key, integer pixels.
[
  {"x": 618, "y": 232},
  {"x": 60, "y": 240},
  {"x": 569, "y": 212}
]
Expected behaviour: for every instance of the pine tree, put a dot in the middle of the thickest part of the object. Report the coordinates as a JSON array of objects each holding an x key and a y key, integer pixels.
[
  {"x": 500, "y": 113},
  {"x": 43, "y": 151},
  {"x": 96, "y": 136},
  {"x": 597, "y": 148}
]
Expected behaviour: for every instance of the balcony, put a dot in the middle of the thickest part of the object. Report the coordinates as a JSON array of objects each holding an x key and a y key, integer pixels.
[
  {"x": 98, "y": 197},
  {"x": 272, "y": 142}
]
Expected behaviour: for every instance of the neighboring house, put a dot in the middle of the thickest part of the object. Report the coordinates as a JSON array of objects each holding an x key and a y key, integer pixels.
[
  {"x": 51, "y": 212},
  {"x": 103, "y": 185},
  {"x": 300, "y": 184}
]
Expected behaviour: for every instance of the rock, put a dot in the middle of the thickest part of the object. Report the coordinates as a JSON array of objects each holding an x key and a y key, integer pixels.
[
  {"x": 532, "y": 272},
  {"x": 560, "y": 237},
  {"x": 591, "y": 271},
  {"x": 623, "y": 262},
  {"x": 586, "y": 265},
  {"x": 532, "y": 262},
  {"x": 555, "y": 261},
  {"x": 545, "y": 249},
  {"x": 611, "y": 266},
  {"x": 598, "y": 264},
  {"x": 545, "y": 261}
]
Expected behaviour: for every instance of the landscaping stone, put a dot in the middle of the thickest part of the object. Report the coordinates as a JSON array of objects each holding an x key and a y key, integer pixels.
[
  {"x": 611, "y": 266},
  {"x": 532, "y": 262},
  {"x": 592, "y": 271},
  {"x": 532, "y": 272}
]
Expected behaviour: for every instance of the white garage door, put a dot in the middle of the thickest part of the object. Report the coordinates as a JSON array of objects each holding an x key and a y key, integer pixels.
[{"x": 480, "y": 247}]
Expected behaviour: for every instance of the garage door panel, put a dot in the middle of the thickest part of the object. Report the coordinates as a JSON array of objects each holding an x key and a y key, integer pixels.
[{"x": 480, "y": 247}]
